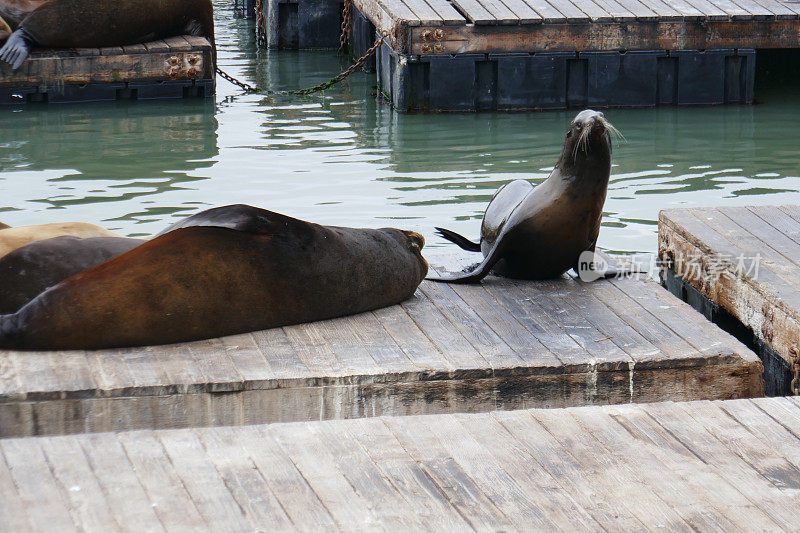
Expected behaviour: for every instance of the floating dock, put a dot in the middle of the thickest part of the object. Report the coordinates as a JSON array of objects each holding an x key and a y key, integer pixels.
[
  {"x": 471, "y": 55},
  {"x": 740, "y": 266},
  {"x": 503, "y": 344},
  {"x": 698, "y": 466},
  {"x": 175, "y": 67}
]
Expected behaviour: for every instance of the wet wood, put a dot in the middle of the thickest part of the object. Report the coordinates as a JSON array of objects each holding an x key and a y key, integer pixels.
[
  {"x": 502, "y": 344},
  {"x": 746, "y": 260},
  {"x": 697, "y": 466},
  {"x": 169, "y": 59}
]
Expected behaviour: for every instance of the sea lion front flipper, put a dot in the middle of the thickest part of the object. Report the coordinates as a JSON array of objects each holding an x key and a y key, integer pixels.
[
  {"x": 237, "y": 217},
  {"x": 460, "y": 240},
  {"x": 17, "y": 48}
]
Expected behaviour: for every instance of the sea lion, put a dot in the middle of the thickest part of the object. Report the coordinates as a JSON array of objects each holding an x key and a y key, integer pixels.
[
  {"x": 13, "y": 238},
  {"x": 4, "y": 226},
  {"x": 29, "y": 270},
  {"x": 224, "y": 271},
  {"x": 98, "y": 23},
  {"x": 539, "y": 232}
]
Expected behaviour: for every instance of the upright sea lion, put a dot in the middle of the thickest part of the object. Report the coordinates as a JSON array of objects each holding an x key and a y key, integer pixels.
[
  {"x": 13, "y": 238},
  {"x": 224, "y": 271},
  {"x": 97, "y": 23},
  {"x": 29, "y": 270},
  {"x": 539, "y": 232}
]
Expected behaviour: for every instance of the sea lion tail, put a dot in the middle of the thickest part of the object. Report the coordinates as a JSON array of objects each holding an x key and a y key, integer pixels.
[
  {"x": 17, "y": 48},
  {"x": 460, "y": 240}
]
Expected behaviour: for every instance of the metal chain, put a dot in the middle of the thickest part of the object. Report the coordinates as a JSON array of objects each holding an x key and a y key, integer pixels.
[
  {"x": 794, "y": 355},
  {"x": 316, "y": 88},
  {"x": 347, "y": 15}
]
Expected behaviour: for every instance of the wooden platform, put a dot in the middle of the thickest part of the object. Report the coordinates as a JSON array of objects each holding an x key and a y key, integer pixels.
[
  {"x": 156, "y": 69},
  {"x": 499, "y": 345},
  {"x": 700, "y": 466},
  {"x": 488, "y": 26},
  {"x": 746, "y": 261}
]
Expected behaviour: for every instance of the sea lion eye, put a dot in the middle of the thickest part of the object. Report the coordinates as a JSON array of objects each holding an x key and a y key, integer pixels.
[{"x": 578, "y": 126}]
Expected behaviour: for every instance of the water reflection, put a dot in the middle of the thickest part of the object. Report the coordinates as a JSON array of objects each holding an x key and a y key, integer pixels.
[{"x": 344, "y": 157}]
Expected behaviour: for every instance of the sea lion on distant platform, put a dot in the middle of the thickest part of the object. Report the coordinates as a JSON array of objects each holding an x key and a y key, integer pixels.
[
  {"x": 29, "y": 270},
  {"x": 13, "y": 238},
  {"x": 540, "y": 232},
  {"x": 224, "y": 271},
  {"x": 97, "y": 23}
]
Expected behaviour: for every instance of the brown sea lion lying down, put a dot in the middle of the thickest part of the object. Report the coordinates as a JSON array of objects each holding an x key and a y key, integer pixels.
[
  {"x": 28, "y": 271},
  {"x": 224, "y": 271},
  {"x": 96, "y": 23},
  {"x": 13, "y": 238}
]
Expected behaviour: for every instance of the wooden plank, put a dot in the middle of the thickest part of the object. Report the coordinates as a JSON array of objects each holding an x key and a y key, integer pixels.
[
  {"x": 296, "y": 496},
  {"x": 15, "y": 514},
  {"x": 320, "y": 470},
  {"x": 348, "y": 349},
  {"x": 444, "y": 334},
  {"x": 611, "y": 512},
  {"x": 249, "y": 361},
  {"x": 722, "y": 494},
  {"x": 279, "y": 354},
  {"x": 527, "y": 347},
  {"x": 662, "y": 10},
  {"x": 475, "y": 12},
  {"x": 458, "y": 487},
  {"x": 111, "y": 51},
  {"x": 399, "y": 11},
  {"x": 649, "y": 470},
  {"x": 87, "y": 51},
  {"x": 687, "y": 11},
  {"x": 246, "y": 484},
  {"x": 78, "y": 485},
  {"x": 524, "y": 13},
  {"x": 755, "y": 8},
  {"x": 710, "y": 10},
  {"x": 171, "y": 502},
  {"x": 640, "y": 10},
  {"x": 500, "y": 11},
  {"x": 134, "y": 49},
  {"x": 197, "y": 42},
  {"x": 546, "y": 11},
  {"x": 313, "y": 350},
  {"x": 730, "y": 465},
  {"x": 220, "y": 374},
  {"x": 45, "y": 506},
  {"x": 615, "y": 10},
  {"x": 445, "y": 10},
  {"x": 494, "y": 349},
  {"x": 536, "y": 320},
  {"x": 426, "y": 14},
  {"x": 178, "y": 44},
  {"x": 202, "y": 481},
  {"x": 610, "y": 474},
  {"x": 112, "y": 468},
  {"x": 775, "y": 229},
  {"x": 381, "y": 346},
  {"x": 733, "y": 9},
  {"x": 597, "y": 10},
  {"x": 403, "y": 472},
  {"x": 157, "y": 46},
  {"x": 569, "y": 10},
  {"x": 417, "y": 347}
]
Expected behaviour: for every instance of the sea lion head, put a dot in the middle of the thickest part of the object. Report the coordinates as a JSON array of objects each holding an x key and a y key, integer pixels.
[{"x": 588, "y": 140}]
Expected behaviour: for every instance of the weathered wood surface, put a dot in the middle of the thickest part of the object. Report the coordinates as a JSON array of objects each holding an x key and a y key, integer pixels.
[
  {"x": 177, "y": 58},
  {"x": 698, "y": 466},
  {"x": 500, "y": 345},
  {"x": 744, "y": 259},
  {"x": 491, "y": 26}
]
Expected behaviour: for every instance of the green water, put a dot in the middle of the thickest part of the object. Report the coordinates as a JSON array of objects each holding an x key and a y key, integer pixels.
[{"x": 346, "y": 158}]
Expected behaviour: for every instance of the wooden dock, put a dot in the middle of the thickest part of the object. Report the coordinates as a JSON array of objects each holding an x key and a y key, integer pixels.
[
  {"x": 500, "y": 345},
  {"x": 175, "y": 67},
  {"x": 741, "y": 267},
  {"x": 700, "y": 466}
]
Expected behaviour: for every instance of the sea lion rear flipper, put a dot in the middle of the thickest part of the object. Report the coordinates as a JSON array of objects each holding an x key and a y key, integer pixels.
[
  {"x": 17, "y": 48},
  {"x": 477, "y": 273},
  {"x": 460, "y": 240}
]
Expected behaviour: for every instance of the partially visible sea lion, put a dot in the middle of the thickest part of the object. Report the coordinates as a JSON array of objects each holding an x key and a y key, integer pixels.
[
  {"x": 29, "y": 270},
  {"x": 13, "y": 238},
  {"x": 539, "y": 232},
  {"x": 97, "y": 23},
  {"x": 4, "y": 226},
  {"x": 227, "y": 270}
]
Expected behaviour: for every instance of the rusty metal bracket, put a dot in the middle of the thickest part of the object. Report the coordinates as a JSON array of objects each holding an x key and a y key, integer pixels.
[{"x": 794, "y": 356}]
